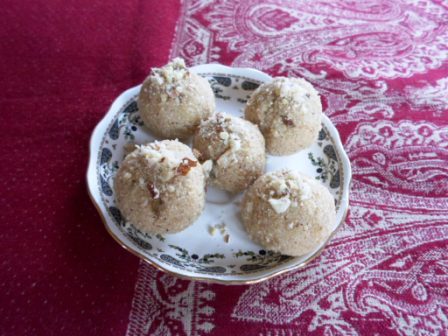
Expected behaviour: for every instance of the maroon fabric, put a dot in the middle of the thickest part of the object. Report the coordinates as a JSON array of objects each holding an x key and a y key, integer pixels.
[
  {"x": 62, "y": 64},
  {"x": 381, "y": 68}
]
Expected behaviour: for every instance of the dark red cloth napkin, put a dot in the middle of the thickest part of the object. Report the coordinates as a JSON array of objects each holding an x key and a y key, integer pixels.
[
  {"x": 382, "y": 70},
  {"x": 62, "y": 64}
]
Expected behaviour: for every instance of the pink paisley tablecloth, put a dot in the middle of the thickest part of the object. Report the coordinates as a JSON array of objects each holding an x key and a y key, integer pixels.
[{"x": 382, "y": 70}]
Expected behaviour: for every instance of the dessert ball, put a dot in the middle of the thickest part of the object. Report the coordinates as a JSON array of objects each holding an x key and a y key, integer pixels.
[
  {"x": 288, "y": 212},
  {"x": 173, "y": 100},
  {"x": 160, "y": 187},
  {"x": 288, "y": 112},
  {"x": 232, "y": 150}
]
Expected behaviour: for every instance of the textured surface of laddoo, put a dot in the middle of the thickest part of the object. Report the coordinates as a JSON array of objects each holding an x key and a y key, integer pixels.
[
  {"x": 160, "y": 187},
  {"x": 173, "y": 100},
  {"x": 232, "y": 149},
  {"x": 288, "y": 212},
  {"x": 288, "y": 112}
]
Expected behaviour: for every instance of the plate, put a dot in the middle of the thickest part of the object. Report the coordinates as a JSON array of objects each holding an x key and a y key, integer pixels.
[{"x": 196, "y": 253}]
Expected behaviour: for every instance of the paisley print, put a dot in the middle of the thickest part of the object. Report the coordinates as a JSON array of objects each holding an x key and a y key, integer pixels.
[
  {"x": 164, "y": 305},
  {"x": 381, "y": 69},
  {"x": 408, "y": 159},
  {"x": 363, "y": 39}
]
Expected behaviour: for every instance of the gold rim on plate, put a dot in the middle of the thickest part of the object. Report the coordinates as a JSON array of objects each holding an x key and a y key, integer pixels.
[
  {"x": 214, "y": 280},
  {"x": 146, "y": 259}
]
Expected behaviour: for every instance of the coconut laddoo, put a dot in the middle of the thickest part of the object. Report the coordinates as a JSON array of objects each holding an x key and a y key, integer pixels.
[
  {"x": 288, "y": 112},
  {"x": 173, "y": 100},
  {"x": 232, "y": 150},
  {"x": 160, "y": 187},
  {"x": 288, "y": 212}
]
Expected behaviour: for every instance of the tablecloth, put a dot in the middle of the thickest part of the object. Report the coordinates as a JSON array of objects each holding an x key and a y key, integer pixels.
[{"x": 381, "y": 68}]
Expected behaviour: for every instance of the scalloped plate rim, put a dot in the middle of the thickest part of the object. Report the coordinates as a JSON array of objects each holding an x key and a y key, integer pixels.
[{"x": 228, "y": 279}]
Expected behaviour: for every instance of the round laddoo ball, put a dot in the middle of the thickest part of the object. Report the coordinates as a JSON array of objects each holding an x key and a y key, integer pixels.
[
  {"x": 232, "y": 150},
  {"x": 288, "y": 112},
  {"x": 288, "y": 212},
  {"x": 173, "y": 100},
  {"x": 160, "y": 187}
]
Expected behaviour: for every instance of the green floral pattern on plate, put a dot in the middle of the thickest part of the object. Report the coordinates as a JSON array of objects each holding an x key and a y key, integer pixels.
[{"x": 123, "y": 130}]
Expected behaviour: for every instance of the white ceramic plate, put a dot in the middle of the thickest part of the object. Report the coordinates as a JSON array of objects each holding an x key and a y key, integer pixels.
[{"x": 194, "y": 253}]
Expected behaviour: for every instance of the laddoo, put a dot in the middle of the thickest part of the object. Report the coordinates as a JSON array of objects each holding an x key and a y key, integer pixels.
[
  {"x": 173, "y": 100},
  {"x": 232, "y": 150},
  {"x": 288, "y": 112},
  {"x": 160, "y": 187},
  {"x": 288, "y": 212}
]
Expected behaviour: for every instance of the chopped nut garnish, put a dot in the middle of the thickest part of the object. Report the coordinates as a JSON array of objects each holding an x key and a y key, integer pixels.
[
  {"x": 222, "y": 230},
  {"x": 186, "y": 165},
  {"x": 280, "y": 205},
  {"x": 171, "y": 73},
  {"x": 224, "y": 135},
  {"x": 155, "y": 194},
  {"x": 287, "y": 121}
]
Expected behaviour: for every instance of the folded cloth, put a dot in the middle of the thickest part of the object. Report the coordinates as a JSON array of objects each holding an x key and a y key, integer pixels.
[
  {"x": 62, "y": 64},
  {"x": 382, "y": 71}
]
